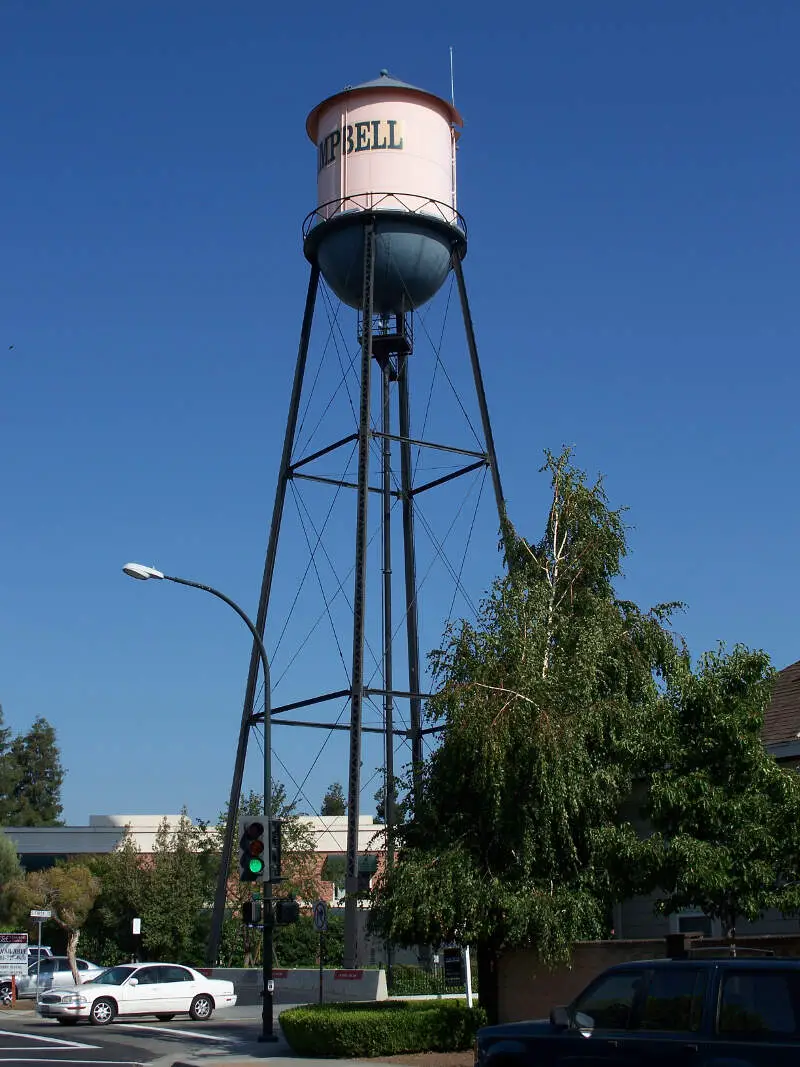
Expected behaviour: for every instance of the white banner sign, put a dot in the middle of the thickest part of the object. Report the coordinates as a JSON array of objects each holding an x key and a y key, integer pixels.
[{"x": 13, "y": 954}]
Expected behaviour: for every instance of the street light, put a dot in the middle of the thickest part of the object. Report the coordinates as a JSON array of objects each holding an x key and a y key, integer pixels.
[{"x": 143, "y": 573}]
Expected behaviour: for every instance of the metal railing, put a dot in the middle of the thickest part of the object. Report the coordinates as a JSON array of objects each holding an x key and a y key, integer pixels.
[{"x": 412, "y": 203}]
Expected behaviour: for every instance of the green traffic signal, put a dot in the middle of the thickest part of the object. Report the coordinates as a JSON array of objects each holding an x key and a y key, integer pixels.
[{"x": 252, "y": 857}]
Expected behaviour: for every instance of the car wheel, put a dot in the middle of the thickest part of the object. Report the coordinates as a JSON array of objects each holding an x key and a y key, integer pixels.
[
  {"x": 103, "y": 1012},
  {"x": 66, "y": 1021},
  {"x": 166, "y": 1018},
  {"x": 202, "y": 1007},
  {"x": 6, "y": 996}
]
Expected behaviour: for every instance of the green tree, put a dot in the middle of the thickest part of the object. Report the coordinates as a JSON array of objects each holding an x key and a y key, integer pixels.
[
  {"x": 7, "y": 772},
  {"x": 36, "y": 775},
  {"x": 68, "y": 890},
  {"x": 550, "y": 706},
  {"x": 9, "y": 860},
  {"x": 174, "y": 911},
  {"x": 725, "y": 815},
  {"x": 298, "y": 945},
  {"x": 334, "y": 803},
  {"x": 10, "y": 872},
  {"x": 124, "y": 879}
]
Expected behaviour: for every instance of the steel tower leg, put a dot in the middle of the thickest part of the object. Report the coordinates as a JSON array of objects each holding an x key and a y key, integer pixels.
[
  {"x": 410, "y": 565},
  {"x": 218, "y": 913},
  {"x": 484, "y": 409},
  {"x": 352, "y": 952},
  {"x": 388, "y": 674},
  {"x": 388, "y": 677}
]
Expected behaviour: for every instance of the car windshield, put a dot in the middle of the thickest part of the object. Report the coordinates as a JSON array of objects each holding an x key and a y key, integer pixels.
[{"x": 113, "y": 976}]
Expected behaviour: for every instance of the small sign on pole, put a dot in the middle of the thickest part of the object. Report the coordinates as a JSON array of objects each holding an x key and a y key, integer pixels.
[
  {"x": 453, "y": 967},
  {"x": 39, "y": 914},
  {"x": 136, "y": 925},
  {"x": 320, "y": 916}
]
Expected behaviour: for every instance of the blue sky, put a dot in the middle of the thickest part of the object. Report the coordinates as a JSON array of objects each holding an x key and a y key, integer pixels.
[{"x": 629, "y": 173}]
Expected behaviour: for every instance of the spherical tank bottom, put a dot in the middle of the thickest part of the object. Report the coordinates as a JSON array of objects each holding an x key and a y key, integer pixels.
[{"x": 413, "y": 255}]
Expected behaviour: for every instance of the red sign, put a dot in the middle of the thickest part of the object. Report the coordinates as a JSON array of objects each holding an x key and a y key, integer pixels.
[
  {"x": 350, "y": 976},
  {"x": 280, "y": 974}
]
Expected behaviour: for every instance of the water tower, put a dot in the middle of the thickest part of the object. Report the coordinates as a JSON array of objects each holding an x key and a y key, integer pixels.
[{"x": 384, "y": 236}]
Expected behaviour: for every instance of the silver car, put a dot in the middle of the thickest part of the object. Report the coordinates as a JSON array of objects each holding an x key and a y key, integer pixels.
[{"x": 55, "y": 973}]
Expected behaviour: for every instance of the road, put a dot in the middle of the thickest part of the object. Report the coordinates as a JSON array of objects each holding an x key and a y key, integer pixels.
[{"x": 26, "y": 1039}]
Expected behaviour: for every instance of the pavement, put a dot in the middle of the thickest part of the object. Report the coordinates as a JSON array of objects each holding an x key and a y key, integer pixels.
[{"x": 278, "y": 1055}]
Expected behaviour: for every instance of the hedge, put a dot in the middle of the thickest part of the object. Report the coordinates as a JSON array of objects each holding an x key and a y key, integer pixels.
[{"x": 382, "y": 1028}]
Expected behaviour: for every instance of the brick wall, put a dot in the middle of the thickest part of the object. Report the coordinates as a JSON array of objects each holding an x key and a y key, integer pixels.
[{"x": 529, "y": 989}]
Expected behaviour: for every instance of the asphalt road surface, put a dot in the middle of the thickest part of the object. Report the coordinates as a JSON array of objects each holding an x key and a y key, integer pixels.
[{"x": 25, "y": 1038}]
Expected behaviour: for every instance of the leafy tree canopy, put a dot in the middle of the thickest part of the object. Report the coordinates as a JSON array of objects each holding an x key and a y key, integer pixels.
[
  {"x": 10, "y": 871},
  {"x": 334, "y": 803},
  {"x": 68, "y": 890},
  {"x": 31, "y": 776},
  {"x": 176, "y": 891},
  {"x": 124, "y": 879},
  {"x": 7, "y": 770},
  {"x": 550, "y": 704},
  {"x": 9, "y": 860},
  {"x": 725, "y": 815}
]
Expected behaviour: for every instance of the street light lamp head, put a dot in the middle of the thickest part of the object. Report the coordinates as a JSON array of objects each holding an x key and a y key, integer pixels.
[{"x": 138, "y": 570}]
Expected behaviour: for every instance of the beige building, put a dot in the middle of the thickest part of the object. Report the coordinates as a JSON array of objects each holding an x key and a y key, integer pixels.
[{"x": 41, "y": 846}]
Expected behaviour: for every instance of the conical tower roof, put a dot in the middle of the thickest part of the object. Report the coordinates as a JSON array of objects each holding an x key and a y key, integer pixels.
[{"x": 384, "y": 82}]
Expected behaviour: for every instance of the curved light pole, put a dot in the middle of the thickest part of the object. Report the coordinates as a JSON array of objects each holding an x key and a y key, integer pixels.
[{"x": 143, "y": 573}]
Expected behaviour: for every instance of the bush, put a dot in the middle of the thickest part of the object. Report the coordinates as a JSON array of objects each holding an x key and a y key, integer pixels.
[
  {"x": 297, "y": 945},
  {"x": 385, "y": 1028}
]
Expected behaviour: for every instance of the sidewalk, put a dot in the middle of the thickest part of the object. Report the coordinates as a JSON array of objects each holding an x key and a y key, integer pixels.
[{"x": 278, "y": 1060}]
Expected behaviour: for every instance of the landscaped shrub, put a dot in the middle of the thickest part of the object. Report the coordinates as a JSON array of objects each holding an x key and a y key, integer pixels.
[{"x": 383, "y": 1028}]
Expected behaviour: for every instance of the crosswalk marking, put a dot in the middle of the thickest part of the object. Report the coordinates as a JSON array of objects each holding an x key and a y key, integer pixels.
[
  {"x": 49, "y": 1040},
  {"x": 180, "y": 1033}
]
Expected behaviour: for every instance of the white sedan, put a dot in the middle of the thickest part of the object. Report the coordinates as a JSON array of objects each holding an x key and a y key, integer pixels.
[{"x": 160, "y": 989}]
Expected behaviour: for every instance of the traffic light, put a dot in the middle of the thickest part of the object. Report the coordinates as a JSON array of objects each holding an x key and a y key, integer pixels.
[
  {"x": 286, "y": 911},
  {"x": 251, "y": 912},
  {"x": 252, "y": 861},
  {"x": 274, "y": 866}
]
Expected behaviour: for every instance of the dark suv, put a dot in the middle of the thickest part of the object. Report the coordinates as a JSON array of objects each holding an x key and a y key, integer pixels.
[{"x": 656, "y": 1013}]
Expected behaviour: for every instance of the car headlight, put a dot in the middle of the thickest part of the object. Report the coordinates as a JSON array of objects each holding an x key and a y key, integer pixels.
[{"x": 74, "y": 998}]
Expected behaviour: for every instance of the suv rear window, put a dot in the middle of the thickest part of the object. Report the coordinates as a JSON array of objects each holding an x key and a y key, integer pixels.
[{"x": 760, "y": 1004}]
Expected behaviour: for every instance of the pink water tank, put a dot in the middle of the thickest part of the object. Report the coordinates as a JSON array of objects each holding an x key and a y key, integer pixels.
[{"x": 385, "y": 152}]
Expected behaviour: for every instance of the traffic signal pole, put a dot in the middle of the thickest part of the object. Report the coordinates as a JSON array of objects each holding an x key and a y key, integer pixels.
[{"x": 268, "y": 917}]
